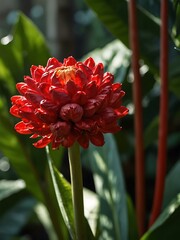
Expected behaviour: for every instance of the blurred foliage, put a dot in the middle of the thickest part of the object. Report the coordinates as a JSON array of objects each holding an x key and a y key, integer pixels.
[{"x": 26, "y": 46}]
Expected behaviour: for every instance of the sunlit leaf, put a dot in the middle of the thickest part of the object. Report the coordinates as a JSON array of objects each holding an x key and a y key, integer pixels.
[
  {"x": 64, "y": 197},
  {"x": 166, "y": 226},
  {"x": 172, "y": 184},
  {"x": 8, "y": 187},
  {"x": 63, "y": 193},
  {"x": 109, "y": 184},
  {"x": 44, "y": 218},
  {"x": 15, "y": 218},
  {"x": 133, "y": 232}
]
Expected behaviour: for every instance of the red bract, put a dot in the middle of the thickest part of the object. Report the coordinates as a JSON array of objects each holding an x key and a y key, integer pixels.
[{"x": 67, "y": 102}]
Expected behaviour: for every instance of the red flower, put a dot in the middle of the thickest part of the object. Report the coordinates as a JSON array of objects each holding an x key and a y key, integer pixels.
[{"x": 67, "y": 102}]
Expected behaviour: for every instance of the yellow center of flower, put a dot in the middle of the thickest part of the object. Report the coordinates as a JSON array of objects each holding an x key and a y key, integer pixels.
[{"x": 64, "y": 74}]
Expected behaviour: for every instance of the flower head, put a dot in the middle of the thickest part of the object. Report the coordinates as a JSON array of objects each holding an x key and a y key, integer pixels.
[{"x": 67, "y": 102}]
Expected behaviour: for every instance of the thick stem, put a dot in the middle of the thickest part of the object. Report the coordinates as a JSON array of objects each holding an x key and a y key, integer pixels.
[
  {"x": 77, "y": 190},
  {"x": 138, "y": 122},
  {"x": 162, "y": 148}
]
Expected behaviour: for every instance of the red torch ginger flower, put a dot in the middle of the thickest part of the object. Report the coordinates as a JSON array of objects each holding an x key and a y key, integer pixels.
[{"x": 67, "y": 102}]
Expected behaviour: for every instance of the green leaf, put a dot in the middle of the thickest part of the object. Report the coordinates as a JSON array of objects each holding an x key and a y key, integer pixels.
[
  {"x": 64, "y": 197},
  {"x": 15, "y": 218},
  {"x": 133, "y": 232},
  {"x": 114, "y": 14},
  {"x": 91, "y": 208},
  {"x": 172, "y": 184},
  {"x": 7, "y": 187},
  {"x": 16, "y": 207},
  {"x": 44, "y": 218},
  {"x": 151, "y": 132},
  {"x": 175, "y": 85},
  {"x": 109, "y": 184},
  {"x": 31, "y": 42},
  {"x": 26, "y": 48},
  {"x": 166, "y": 226},
  {"x": 13, "y": 148},
  {"x": 63, "y": 194}
]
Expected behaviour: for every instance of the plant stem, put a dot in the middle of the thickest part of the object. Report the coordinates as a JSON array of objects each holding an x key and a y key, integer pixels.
[
  {"x": 77, "y": 190},
  {"x": 138, "y": 122},
  {"x": 162, "y": 144}
]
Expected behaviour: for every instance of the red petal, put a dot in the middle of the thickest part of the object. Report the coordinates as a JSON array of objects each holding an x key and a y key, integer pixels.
[
  {"x": 46, "y": 117},
  {"x": 34, "y": 135},
  {"x": 71, "y": 87},
  {"x": 108, "y": 77},
  {"x": 72, "y": 112},
  {"x": 116, "y": 87},
  {"x": 44, "y": 88},
  {"x": 98, "y": 69},
  {"x": 34, "y": 98},
  {"x": 89, "y": 62},
  {"x": 84, "y": 69},
  {"x": 111, "y": 128},
  {"x": 60, "y": 128},
  {"x": 14, "y": 110},
  {"x": 21, "y": 128},
  {"x": 83, "y": 140},
  {"x": 48, "y": 106},
  {"x": 60, "y": 96},
  {"x": 87, "y": 124},
  {"x": 80, "y": 97},
  {"x": 70, "y": 61},
  {"x": 97, "y": 139},
  {"x": 18, "y": 100},
  {"x": 30, "y": 82},
  {"x": 122, "y": 111},
  {"x": 68, "y": 141},
  {"x": 52, "y": 63},
  {"x": 22, "y": 87},
  {"x": 91, "y": 89},
  {"x": 36, "y": 72},
  {"x": 43, "y": 142},
  {"x": 91, "y": 107}
]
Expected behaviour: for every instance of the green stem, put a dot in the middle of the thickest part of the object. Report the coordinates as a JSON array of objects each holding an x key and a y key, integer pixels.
[{"x": 77, "y": 190}]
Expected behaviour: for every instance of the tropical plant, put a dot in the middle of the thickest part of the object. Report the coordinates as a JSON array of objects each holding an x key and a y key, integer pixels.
[{"x": 35, "y": 193}]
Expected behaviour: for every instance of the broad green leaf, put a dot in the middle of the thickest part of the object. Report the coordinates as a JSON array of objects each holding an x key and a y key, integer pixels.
[
  {"x": 8, "y": 187},
  {"x": 44, "y": 218},
  {"x": 64, "y": 197},
  {"x": 114, "y": 14},
  {"x": 175, "y": 86},
  {"x": 32, "y": 43},
  {"x": 172, "y": 184},
  {"x": 166, "y": 226},
  {"x": 63, "y": 194},
  {"x": 109, "y": 184},
  {"x": 133, "y": 232},
  {"x": 15, "y": 218},
  {"x": 151, "y": 132},
  {"x": 12, "y": 147},
  {"x": 16, "y": 206},
  {"x": 26, "y": 48},
  {"x": 115, "y": 57},
  {"x": 91, "y": 208}
]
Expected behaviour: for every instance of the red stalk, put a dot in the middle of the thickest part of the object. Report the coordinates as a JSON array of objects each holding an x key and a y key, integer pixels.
[
  {"x": 138, "y": 122},
  {"x": 161, "y": 159}
]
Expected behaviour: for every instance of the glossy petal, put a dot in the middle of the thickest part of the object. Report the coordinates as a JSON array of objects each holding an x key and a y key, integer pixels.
[{"x": 66, "y": 102}]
